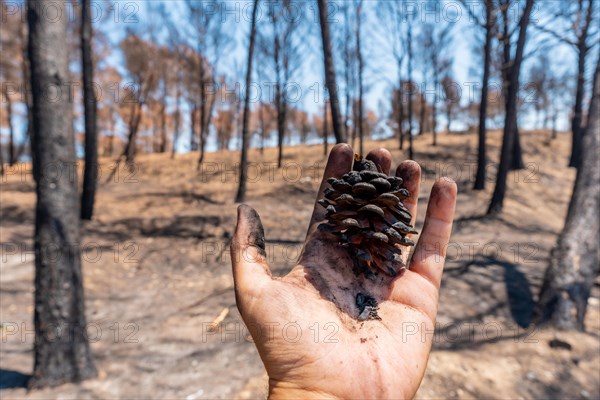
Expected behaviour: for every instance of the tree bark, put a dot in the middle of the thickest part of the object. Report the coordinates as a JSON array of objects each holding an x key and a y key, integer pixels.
[
  {"x": 279, "y": 99},
  {"x": 90, "y": 172},
  {"x": 411, "y": 154},
  {"x": 59, "y": 297},
  {"x": 575, "y": 263},
  {"x": 27, "y": 95},
  {"x": 325, "y": 129},
  {"x": 481, "y": 150},
  {"x": 575, "y": 158},
  {"x": 281, "y": 117},
  {"x": 176, "y": 122},
  {"x": 162, "y": 147},
  {"x": 422, "y": 113},
  {"x": 517, "y": 153},
  {"x": 361, "y": 121},
  {"x": 11, "y": 130},
  {"x": 241, "y": 193},
  {"x": 330, "y": 81},
  {"x": 400, "y": 113},
  {"x": 576, "y": 122},
  {"x": 134, "y": 123},
  {"x": 510, "y": 128}
]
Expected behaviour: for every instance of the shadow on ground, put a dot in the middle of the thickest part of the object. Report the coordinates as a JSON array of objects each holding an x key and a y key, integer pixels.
[{"x": 10, "y": 379}]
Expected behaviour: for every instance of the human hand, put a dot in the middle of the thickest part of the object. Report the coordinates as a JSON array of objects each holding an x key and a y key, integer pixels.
[{"x": 358, "y": 359}]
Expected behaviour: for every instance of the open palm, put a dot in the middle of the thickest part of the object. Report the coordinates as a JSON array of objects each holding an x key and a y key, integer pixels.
[{"x": 307, "y": 325}]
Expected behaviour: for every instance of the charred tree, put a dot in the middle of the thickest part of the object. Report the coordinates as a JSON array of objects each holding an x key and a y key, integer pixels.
[
  {"x": 59, "y": 296},
  {"x": 411, "y": 154},
  {"x": 583, "y": 49},
  {"x": 516, "y": 158},
  {"x": 574, "y": 262},
  {"x": 510, "y": 121},
  {"x": 241, "y": 193},
  {"x": 11, "y": 130},
  {"x": 360, "y": 119},
  {"x": 90, "y": 171},
  {"x": 490, "y": 24},
  {"x": 330, "y": 80}
]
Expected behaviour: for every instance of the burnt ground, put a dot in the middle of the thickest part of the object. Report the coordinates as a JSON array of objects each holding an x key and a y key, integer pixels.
[{"x": 157, "y": 272}]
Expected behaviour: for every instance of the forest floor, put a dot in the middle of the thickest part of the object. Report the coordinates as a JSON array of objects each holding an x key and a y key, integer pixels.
[{"x": 157, "y": 271}]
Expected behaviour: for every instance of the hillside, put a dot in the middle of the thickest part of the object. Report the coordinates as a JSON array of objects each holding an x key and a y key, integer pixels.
[{"x": 156, "y": 268}]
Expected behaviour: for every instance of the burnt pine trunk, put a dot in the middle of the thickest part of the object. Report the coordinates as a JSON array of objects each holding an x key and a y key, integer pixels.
[
  {"x": 576, "y": 121},
  {"x": 330, "y": 82},
  {"x": 27, "y": 95},
  {"x": 11, "y": 130},
  {"x": 325, "y": 129},
  {"x": 517, "y": 154},
  {"x": 400, "y": 113},
  {"x": 90, "y": 171},
  {"x": 134, "y": 123},
  {"x": 422, "y": 113},
  {"x": 510, "y": 121},
  {"x": 516, "y": 158},
  {"x": 1, "y": 162},
  {"x": 261, "y": 113},
  {"x": 574, "y": 263},
  {"x": 481, "y": 150},
  {"x": 279, "y": 100},
  {"x": 411, "y": 155},
  {"x": 281, "y": 117},
  {"x": 162, "y": 147},
  {"x": 241, "y": 193},
  {"x": 361, "y": 132},
  {"x": 176, "y": 121},
  {"x": 61, "y": 349},
  {"x": 206, "y": 125}
]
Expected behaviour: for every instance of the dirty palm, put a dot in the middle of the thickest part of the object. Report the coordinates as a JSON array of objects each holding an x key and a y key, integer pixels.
[{"x": 348, "y": 331}]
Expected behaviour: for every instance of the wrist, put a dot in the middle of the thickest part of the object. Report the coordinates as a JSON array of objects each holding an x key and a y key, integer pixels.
[{"x": 279, "y": 390}]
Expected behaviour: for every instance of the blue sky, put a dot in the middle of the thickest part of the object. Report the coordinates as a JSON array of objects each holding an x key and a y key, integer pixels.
[{"x": 380, "y": 68}]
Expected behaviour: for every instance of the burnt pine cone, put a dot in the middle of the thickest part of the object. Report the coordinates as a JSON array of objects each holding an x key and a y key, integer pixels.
[{"x": 365, "y": 212}]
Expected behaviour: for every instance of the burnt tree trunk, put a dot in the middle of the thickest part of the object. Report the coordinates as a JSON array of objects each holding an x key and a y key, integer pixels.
[
  {"x": 574, "y": 262},
  {"x": 261, "y": 113},
  {"x": 162, "y": 147},
  {"x": 336, "y": 118},
  {"x": 400, "y": 114},
  {"x": 325, "y": 129},
  {"x": 176, "y": 122},
  {"x": 27, "y": 89},
  {"x": 576, "y": 121},
  {"x": 90, "y": 171},
  {"x": 206, "y": 125},
  {"x": 241, "y": 193},
  {"x": 510, "y": 128},
  {"x": 411, "y": 155},
  {"x": 361, "y": 133},
  {"x": 576, "y": 128},
  {"x": 433, "y": 117},
  {"x": 481, "y": 149},
  {"x": 134, "y": 123},
  {"x": 279, "y": 102},
  {"x": 281, "y": 117},
  {"x": 517, "y": 153},
  {"x": 59, "y": 297},
  {"x": 11, "y": 130},
  {"x": 516, "y": 158},
  {"x": 422, "y": 113}
]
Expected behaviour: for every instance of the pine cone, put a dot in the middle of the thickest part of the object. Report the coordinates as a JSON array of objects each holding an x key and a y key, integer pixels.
[{"x": 365, "y": 212}]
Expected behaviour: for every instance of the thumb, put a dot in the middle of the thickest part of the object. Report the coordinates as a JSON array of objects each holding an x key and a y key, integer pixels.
[{"x": 248, "y": 257}]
